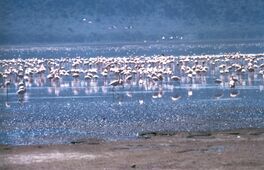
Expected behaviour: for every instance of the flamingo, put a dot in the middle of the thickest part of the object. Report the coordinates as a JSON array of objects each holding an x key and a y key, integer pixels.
[
  {"x": 115, "y": 83},
  {"x": 175, "y": 78},
  {"x": 218, "y": 81}
]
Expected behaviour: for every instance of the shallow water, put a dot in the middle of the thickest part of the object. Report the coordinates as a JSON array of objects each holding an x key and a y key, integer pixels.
[
  {"x": 131, "y": 49},
  {"x": 70, "y": 109}
]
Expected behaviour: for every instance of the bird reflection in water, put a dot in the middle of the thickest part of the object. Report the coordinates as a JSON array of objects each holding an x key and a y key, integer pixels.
[
  {"x": 234, "y": 93},
  {"x": 75, "y": 86},
  {"x": 175, "y": 97},
  {"x": 219, "y": 94},
  {"x": 21, "y": 98},
  {"x": 190, "y": 92}
]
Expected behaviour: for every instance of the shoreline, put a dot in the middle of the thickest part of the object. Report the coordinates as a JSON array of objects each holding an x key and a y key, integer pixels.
[{"x": 229, "y": 149}]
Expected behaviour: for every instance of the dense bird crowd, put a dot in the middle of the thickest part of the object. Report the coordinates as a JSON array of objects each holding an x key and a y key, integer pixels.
[{"x": 226, "y": 70}]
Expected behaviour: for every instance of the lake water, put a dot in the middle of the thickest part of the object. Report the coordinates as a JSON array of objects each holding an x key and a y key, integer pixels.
[{"x": 72, "y": 109}]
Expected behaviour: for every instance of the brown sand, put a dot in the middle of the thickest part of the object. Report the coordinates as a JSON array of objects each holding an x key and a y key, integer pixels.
[{"x": 237, "y": 149}]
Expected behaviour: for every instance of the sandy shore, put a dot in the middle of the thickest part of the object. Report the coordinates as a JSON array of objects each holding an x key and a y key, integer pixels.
[{"x": 236, "y": 149}]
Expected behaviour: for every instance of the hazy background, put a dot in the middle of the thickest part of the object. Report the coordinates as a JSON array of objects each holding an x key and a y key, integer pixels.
[{"x": 108, "y": 21}]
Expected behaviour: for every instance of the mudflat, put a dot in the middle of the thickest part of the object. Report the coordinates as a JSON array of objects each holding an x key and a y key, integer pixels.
[{"x": 233, "y": 149}]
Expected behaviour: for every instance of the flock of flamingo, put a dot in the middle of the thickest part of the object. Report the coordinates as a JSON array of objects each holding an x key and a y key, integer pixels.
[{"x": 228, "y": 70}]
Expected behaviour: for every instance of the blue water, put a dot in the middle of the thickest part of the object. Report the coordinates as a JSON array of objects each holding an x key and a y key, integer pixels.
[
  {"x": 74, "y": 108},
  {"x": 131, "y": 49}
]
